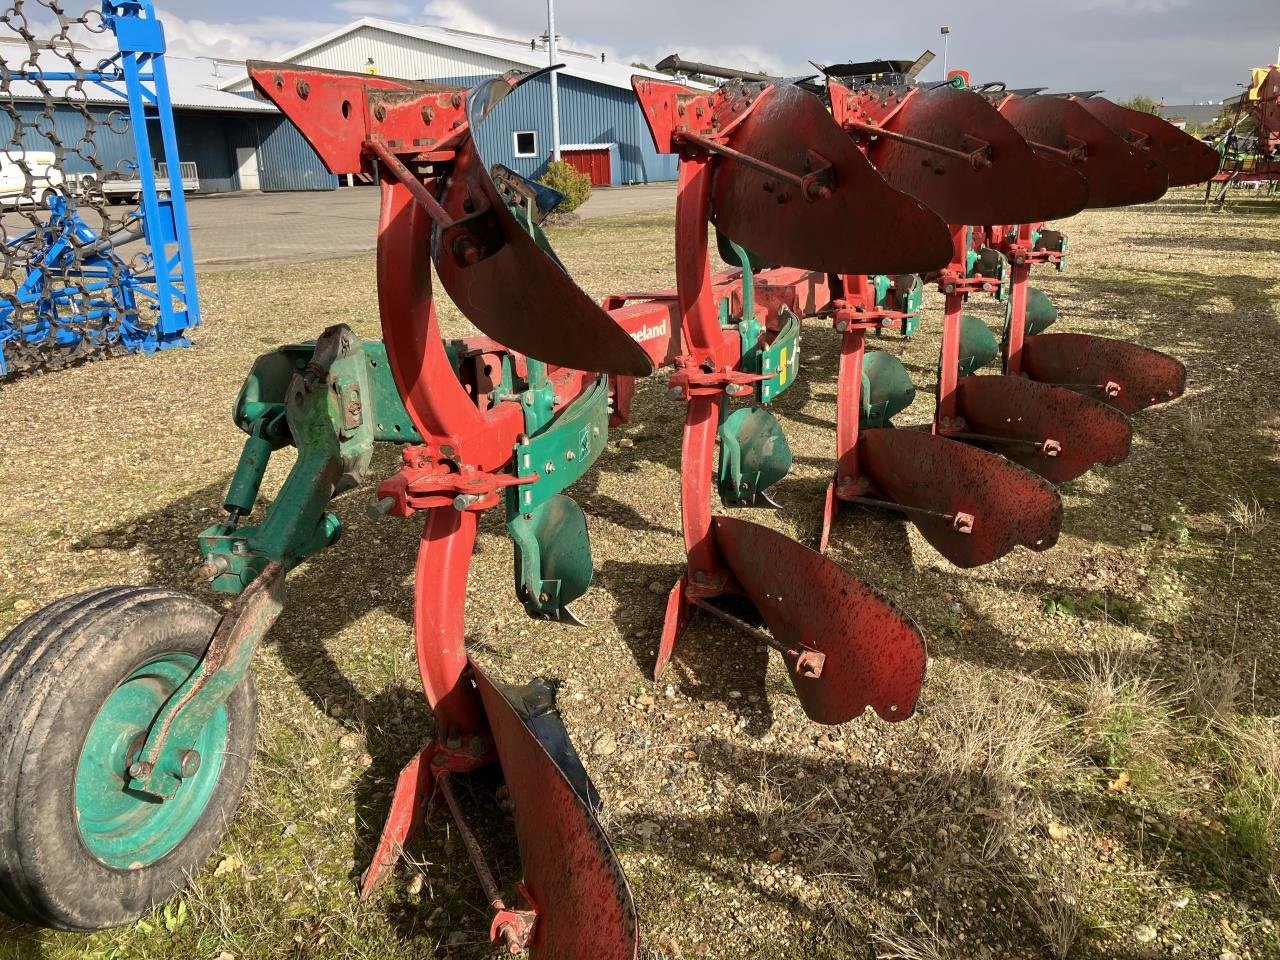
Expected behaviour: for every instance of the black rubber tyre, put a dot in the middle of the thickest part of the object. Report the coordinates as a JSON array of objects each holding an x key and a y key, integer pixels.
[{"x": 57, "y": 669}]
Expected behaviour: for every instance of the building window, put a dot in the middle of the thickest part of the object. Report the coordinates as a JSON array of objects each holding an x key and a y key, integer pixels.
[{"x": 526, "y": 143}]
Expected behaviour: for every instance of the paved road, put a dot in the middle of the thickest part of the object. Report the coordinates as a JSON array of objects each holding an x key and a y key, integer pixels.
[{"x": 231, "y": 231}]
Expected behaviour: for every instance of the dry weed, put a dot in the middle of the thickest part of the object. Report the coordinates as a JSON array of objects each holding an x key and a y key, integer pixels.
[{"x": 1245, "y": 515}]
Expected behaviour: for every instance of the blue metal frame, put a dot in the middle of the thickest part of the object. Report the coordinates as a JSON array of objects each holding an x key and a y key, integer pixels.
[{"x": 138, "y": 74}]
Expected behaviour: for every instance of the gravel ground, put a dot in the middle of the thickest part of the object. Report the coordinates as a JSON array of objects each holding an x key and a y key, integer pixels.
[{"x": 1071, "y": 787}]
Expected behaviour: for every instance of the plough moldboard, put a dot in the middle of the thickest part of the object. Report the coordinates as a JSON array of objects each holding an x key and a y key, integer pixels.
[{"x": 838, "y": 209}]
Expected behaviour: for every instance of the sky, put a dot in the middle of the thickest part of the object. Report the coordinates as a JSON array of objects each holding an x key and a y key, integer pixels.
[{"x": 1179, "y": 51}]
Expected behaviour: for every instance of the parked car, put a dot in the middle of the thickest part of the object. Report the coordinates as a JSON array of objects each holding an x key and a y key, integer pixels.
[{"x": 45, "y": 177}]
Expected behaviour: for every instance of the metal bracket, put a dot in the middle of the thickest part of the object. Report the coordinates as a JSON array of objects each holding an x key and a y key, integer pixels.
[{"x": 166, "y": 758}]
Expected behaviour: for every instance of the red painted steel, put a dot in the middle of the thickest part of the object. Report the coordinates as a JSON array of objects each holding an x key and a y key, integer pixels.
[
  {"x": 789, "y": 128},
  {"x": 1010, "y": 506},
  {"x": 1119, "y": 174},
  {"x": 1008, "y": 182},
  {"x": 1188, "y": 159},
  {"x": 338, "y": 112},
  {"x": 584, "y": 906},
  {"x": 875, "y": 655},
  {"x": 1125, "y": 375},
  {"x": 1058, "y": 433},
  {"x": 594, "y": 163},
  {"x": 508, "y": 287},
  {"x": 1121, "y": 374}
]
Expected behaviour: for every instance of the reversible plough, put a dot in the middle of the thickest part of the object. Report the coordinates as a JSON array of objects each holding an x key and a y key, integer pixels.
[{"x": 129, "y": 713}]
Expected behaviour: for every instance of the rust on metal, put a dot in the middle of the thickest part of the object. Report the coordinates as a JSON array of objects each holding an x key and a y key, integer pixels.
[
  {"x": 1139, "y": 377},
  {"x": 572, "y": 877},
  {"x": 1188, "y": 159},
  {"x": 1119, "y": 174},
  {"x": 1058, "y": 433},
  {"x": 506, "y": 285},
  {"x": 1008, "y": 505},
  {"x": 790, "y": 129},
  {"x": 1017, "y": 184},
  {"x": 874, "y": 654}
]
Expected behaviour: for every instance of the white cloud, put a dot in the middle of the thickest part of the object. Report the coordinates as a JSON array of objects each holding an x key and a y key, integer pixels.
[
  {"x": 266, "y": 38},
  {"x": 458, "y": 16},
  {"x": 391, "y": 9}
]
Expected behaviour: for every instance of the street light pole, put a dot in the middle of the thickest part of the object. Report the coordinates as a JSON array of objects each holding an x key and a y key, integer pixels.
[
  {"x": 946, "y": 43},
  {"x": 555, "y": 97}
]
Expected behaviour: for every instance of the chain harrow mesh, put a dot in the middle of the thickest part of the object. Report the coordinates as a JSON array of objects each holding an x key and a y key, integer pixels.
[{"x": 74, "y": 269}]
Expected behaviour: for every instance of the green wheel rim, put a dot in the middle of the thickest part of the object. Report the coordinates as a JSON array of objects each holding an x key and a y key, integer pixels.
[{"x": 125, "y": 828}]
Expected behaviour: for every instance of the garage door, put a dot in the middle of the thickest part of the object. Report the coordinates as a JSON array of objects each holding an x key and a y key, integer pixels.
[{"x": 593, "y": 160}]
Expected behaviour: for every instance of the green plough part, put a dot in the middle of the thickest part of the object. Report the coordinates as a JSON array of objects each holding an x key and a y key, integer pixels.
[
  {"x": 887, "y": 389},
  {"x": 553, "y": 557},
  {"x": 552, "y": 550},
  {"x": 1041, "y": 314},
  {"x": 978, "y": 345},
  {"x": 754, "y": 455},
  {"x": 332, "y": 400}
]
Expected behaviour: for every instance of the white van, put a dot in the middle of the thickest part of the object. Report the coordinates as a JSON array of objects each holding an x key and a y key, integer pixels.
[{"x": 14, "y": 167}]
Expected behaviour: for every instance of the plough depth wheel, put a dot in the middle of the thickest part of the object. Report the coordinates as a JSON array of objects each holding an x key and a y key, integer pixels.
[{"x": 80, "y": 684}]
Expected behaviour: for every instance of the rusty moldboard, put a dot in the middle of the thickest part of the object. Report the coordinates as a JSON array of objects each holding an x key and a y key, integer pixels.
[
  {"x": 789, "y": 128},
  {"x": 583, "y": 901},
  {"x": 1144, "y": 377},
  {"x": 1016, "y": 186},
  {"x": 1010, "y": 506},
  {"x": 875, "y": 655},
  {"x": 1119, "y": 174},
  {"x": 1086, "y": 431}
]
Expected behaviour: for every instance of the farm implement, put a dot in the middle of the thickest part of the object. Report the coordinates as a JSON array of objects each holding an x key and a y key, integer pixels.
[
  {"x": 76, "y": 296},
  {"x": 129, "y": 712},
  {"x": 1250, "y": 149}
]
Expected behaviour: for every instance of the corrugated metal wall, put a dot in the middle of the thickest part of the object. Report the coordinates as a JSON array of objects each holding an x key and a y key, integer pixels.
[
  {"x": 396, "y": 55},
  {"x": 110, "y": 148},
  {"x": 286, "y": 161},
  {"x": 207, "y": 138},
  {"x": 589, "y": 113}
]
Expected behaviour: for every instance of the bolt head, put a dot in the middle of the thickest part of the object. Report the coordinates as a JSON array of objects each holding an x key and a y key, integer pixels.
[{"x": 190, "y": 761}]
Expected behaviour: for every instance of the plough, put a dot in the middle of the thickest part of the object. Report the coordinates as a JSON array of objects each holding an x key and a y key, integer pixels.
[{"x": 830, "y": 213}]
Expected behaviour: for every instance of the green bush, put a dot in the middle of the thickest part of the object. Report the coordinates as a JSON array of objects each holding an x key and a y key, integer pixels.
[{"x": 575, "y": 186}]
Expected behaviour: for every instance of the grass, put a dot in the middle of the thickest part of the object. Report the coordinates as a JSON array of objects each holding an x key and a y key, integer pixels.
[{"x": 987, "y": 825}]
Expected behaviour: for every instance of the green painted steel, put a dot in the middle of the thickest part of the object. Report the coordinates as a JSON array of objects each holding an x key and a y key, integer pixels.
[
  {"x": 1055, "y": 240},
  {"x": 779, "y": 360},
  {"x": 729, "y": 253},
  {"x": 559, "y": 455},
  {"x": 903, "y": 293},
  {"x": 552, "y": 557},
  {"x": 754, "y": 455},
  {"x": 887, "y": 389},
  {"x": 332, "y": 400},
  {"x": 552, "y": 550},
  {"x": 122, "y": 827},
  {"x": 978, "y": 345}
]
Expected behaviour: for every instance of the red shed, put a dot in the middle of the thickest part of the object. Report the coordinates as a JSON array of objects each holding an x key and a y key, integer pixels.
[{"x": 591, "y": 159}]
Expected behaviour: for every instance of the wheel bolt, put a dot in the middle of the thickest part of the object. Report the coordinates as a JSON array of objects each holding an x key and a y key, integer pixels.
[{"x": 189, "y": 763}]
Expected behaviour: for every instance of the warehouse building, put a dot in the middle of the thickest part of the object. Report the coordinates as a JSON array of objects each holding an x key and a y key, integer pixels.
[
  {"x": 602, "y": 129},
  {"x": 226, "y": 141}
]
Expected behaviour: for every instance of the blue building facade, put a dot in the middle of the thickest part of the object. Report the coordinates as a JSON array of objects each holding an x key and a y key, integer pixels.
[
  {"x": 208, "y": 138},
  {"x": 589, "y": 113}
]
